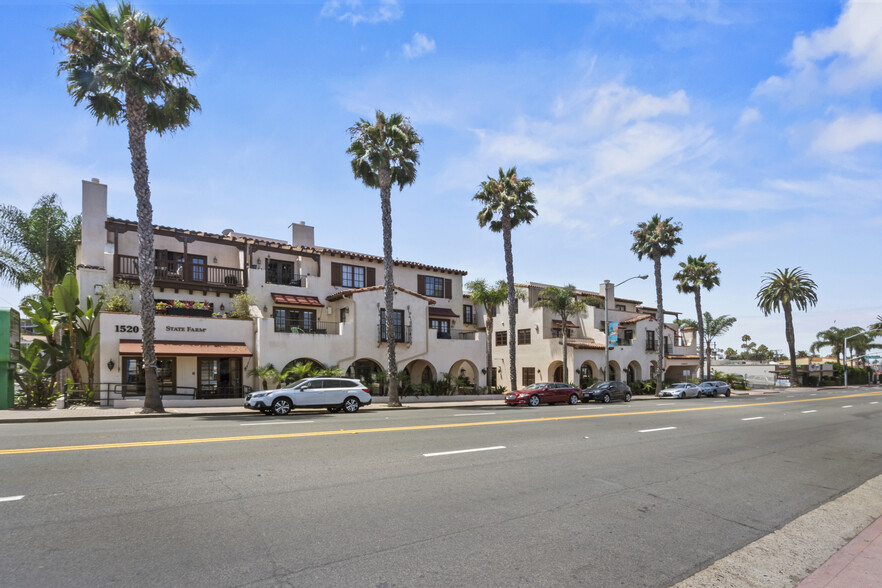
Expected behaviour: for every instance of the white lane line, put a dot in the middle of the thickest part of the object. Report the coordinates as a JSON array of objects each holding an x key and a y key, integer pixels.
[
  {"x": 665, "y": 404},
  {"x": 848, "y": 406},
  {"x": 275, "y": 423},
  {"x": 474, "y": 414},
  {"x": 589, "y": 408},
  {"x": 464, "y": 451},
  {"x": 753, "y": 419},
  {"x": 719, "y": 400},
  {"x": 812, "y": 394},
  {"x": 808, "y": 411},
  {"x": 874, "y": 402},
  {"x": 654, "y": 430},
  {"x": 10, "y": 498}
]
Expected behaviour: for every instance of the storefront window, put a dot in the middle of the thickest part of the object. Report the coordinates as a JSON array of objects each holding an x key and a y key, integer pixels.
[
  {"x": 133, "y": 374},
  {"x": 220, "y": 377}
]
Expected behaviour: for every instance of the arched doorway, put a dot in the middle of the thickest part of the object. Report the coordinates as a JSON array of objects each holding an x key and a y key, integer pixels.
[
  {"x": 366, "y": 370},
  {"x": 302, "y": 367},
  {"x": 465, "y": 375},
  {"x": 634, "y": 373},
  {"x": 614, "y": 371},
  {"x": 587, "y": 374},
  {"x": 555, "y": 371}
]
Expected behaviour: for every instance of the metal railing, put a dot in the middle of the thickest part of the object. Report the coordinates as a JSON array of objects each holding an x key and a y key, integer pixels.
[
  {"x": 402, "y": 333},
  {"x": 310, "y": 327},
  {"x": 196, "y": 393},
  {"x": 183, "y": 273},
  {"x": 456, "y": 334},
  {"x": 284, "y": 279}
]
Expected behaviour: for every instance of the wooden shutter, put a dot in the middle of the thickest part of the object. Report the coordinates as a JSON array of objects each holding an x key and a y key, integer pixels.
[
  {"x": 336, "y": 274},
  {"x": 421, "y": 284},
  {"x": 448, "y": 288},
  {"x": 370, "y": 276}
]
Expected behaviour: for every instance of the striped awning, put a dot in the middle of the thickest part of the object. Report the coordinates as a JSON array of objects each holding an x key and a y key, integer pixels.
[
  {"x": 188, "y": 348},
  {"x": 294, "y": 300}
]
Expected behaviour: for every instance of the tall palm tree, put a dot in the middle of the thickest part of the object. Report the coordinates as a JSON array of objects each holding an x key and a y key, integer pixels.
[
  {"x": 490, "y": 299},
  {"x": 126, "y": 67},
  {"x": 38, "y": 248},
  {"x": 782, "y": 290},
  {"x": 655, "y": 239},
  {"x": 834, "y": 338},
  {"x": 385, "y": 152},
  {"x": 508, "y": 202},
  {"x": 564, "y": 303},
  {"x": 697, "y": 273},
  {"x": 713, "y": 328}
]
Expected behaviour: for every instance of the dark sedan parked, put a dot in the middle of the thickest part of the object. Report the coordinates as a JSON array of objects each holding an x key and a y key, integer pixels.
[
  {"x": 547, "y": 392},
  {"x": 714, "y": 387},
  {"x": 607, "y": 391}
]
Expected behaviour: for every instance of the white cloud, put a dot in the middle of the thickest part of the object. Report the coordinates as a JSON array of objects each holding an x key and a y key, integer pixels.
[
  {"x": 419, "y": 45},
  {"x": 356, "y": 11},
  {"x": 748, "y": 117},
  {"x": 849, "y": 132},
  {"x": 834, "y": 60}
]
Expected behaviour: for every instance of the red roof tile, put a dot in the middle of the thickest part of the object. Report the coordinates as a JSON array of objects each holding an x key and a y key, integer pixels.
[{"x": 296, "y": 300}]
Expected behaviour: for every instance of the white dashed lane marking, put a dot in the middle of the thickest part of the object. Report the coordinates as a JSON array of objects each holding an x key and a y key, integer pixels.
[
  {"x": 753, "y": 419},
  {"x": 848, "y": 406},
  {"x": 275, "y": 423},
  {"x": 654, "y": 430},
  {"x": 474, "y": 414},
  {"x": 463, "y": 451},
  {"x": 10, "y": 498},
  {"x": 808, "y": 411}
]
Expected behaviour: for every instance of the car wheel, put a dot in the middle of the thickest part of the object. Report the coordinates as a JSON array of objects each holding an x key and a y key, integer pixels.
[
  {"x": 727, "y": 394},
  {"x": 351, "y": 404},
  {"x": 534, "y": 400},
  {"x": 627, "y": 397},
  {"x": 282, "y": 406},
  {"x": 606, "y": 398},
  {"x": 574, "y": 399}
]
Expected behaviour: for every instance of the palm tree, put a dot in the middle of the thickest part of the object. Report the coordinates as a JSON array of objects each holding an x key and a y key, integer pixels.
[
  {"x": 564, "y": 303},
  {"x": 713, "y": 328},
  {"x": 490, "y": 299},
  {"x": 37, "y": 248},
  {"x": 697, "y": 273},
  {"x": 384, "y": 152},
  {"x": 781, "y": 290},
  {"x": 508, "y": 202},
  {"x": 655, "y": 239},
  {"x": 833, "y": 338},
  {"x": 126, "y": 67},
  {"x": 266, "y": 374}
]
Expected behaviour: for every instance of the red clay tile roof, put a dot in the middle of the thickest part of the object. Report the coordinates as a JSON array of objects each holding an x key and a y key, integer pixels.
[
  {"x": 637, "y": 319},
  {"x": 296, "y": 300},
  {"x": 584, "y": 344},
  {"x": 570, "y": 325},
  {"x": 344, "y": 293}
]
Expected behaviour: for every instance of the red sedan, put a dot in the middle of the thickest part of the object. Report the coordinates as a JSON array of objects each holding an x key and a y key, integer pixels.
[{"x": 548, "y": 392}]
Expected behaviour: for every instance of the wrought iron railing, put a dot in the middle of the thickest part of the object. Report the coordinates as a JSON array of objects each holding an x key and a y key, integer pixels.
[
  {"x": 274, "y": 276},
  {"x": 402, "y": 333},
  {"x": 312, "y": 327},
  {"x": 183, "y": 273}
]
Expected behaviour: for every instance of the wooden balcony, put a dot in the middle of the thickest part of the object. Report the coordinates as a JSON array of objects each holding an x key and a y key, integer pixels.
[{"x": 183, "y": 275}]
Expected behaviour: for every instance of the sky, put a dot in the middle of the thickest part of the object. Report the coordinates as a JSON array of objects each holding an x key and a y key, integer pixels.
[{"x": 755, "y": 124}]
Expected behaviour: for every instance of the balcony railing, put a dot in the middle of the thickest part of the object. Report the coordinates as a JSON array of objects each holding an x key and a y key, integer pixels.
[
  {"x": 624, "y": 342},
  {"x": 651, "y": 346},
  {"x": 402, "y": 333},
  {"x": 284, "y": 279},
  {"x": 457, "y": 334},
  {"x": 306, "y": 326},
  {"x": 183, "y": 274}
]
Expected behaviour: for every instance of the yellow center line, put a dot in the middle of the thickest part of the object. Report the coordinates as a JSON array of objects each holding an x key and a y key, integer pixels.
[{"x": 405, "y": 428}]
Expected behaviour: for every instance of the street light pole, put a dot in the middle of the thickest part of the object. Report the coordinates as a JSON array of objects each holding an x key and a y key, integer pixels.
[
  {"x": 845, "y": 352},
  {"x": 606, "y": 285}
]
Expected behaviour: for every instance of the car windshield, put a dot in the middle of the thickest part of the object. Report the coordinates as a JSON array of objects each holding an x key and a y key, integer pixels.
[
  {"x": 535, "y": 386},
  {"x": 599, "y": 386},
  {"x": 297, "y": 383},
  {"x": 679, "y": 385}
]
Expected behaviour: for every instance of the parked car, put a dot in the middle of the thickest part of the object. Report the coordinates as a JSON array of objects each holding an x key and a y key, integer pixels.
[
  {"x": 714, "y": 387},
  {"x": 547, "y": 392},
  {"x": 607, "y": 391},
  {"x": 681, "y": 390},
  {"x": 335, "y": 394}
]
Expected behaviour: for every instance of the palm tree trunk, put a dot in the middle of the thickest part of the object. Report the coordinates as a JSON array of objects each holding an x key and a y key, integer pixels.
[
  {"x": 509, "y": 277},
  {"x": 660, "y": 317},
  {"x": 489, "y": 326},
  {"x": 791, "y": 341},
  {"x": 389, "y": 282},
  {"x": 136, "y": 116},
  {"x": 700, "y": 334},
  {"x": 563, "y": 320}
]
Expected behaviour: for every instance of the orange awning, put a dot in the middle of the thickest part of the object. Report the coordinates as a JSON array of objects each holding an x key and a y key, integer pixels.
[{"x": 188, "y": 348}]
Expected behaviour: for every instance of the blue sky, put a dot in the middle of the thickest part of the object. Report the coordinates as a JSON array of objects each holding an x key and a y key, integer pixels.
[{"x": 757, "y": 125}]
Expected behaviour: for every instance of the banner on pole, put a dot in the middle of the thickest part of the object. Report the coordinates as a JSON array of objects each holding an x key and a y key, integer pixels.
[{"x": 613, "y": 337}]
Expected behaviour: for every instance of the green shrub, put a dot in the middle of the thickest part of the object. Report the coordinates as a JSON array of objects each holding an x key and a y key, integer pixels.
[
  {"x": 118, "y": 297},
  {"x": 241, "y": 305}
]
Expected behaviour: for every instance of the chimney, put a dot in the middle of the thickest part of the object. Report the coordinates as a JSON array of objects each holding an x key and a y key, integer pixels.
[
  {"x": 94, "y": 217},
  {"x": 302, "y": 234}
]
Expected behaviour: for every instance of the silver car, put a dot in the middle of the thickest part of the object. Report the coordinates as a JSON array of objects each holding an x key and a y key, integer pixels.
[
  {"x": 335, "y": 394},
  {"x": 681, "y": 390},
  {"x": 714, "y": 387}
]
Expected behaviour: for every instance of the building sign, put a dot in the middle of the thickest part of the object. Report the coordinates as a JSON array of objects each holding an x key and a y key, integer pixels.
[
  {"x": 187, "y": 329},
  {"x": 613, "y": 335}
]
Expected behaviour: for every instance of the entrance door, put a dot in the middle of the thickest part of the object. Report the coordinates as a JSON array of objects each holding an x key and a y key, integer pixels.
[{"x": 220, "y": 377}]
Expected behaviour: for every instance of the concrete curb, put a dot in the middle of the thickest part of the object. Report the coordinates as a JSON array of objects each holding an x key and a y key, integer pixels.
[{"x": 788, "y": 555}]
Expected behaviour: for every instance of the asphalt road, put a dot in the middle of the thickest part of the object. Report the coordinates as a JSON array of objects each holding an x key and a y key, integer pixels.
[{"x": 639, "y": 494}]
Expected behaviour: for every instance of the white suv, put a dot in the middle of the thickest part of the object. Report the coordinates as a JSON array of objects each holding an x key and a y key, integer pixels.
[{"x": 335, "y": 394}]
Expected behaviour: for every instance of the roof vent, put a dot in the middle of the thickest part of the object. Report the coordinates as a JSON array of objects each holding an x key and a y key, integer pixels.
[{"x": 227, "y": 232}]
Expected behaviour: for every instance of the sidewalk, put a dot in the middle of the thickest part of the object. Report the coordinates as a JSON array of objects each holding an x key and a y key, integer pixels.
[{"x": 857, "y": 565}]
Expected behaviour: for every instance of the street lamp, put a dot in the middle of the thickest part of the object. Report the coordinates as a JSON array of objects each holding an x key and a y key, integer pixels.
[
  {"x": 845, "y": 351},
  {"x": 606, "y": 285}
]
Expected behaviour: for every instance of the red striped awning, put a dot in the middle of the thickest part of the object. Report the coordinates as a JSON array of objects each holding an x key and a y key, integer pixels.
[
  {"x": 187, "y": 348},
  {"x": 295, "y": 300},
  {"x": 570, "y": 325}
]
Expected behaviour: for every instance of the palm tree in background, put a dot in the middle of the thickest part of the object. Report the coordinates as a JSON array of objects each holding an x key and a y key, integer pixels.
[
  {"x": 508, "y": 202},
  {"x": 490, "y": 299},
  {"x": 697, "y": 273},
  {"x": 126, "y": 67},
  {"x": 385, "y": 152},
  {"x": 834, "y": 338},
  {"x": 655, "y": 239},
  {"x": 39, "y": 248},
  {"x": 781, "y": 291},
  {"x": 713, "y": 328},
  {"x": 564, "y": 303}
]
